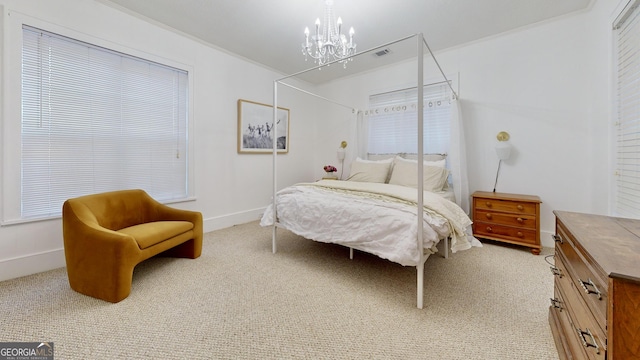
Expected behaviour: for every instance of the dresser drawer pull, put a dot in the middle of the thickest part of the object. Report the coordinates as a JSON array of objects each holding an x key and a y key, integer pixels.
[
  {"x": 489, "y": 216},
  {"x": 588, "y": 285},
  {"x": 556, "y": 272},
  {"x": 520, "y": 234},
  {"x": 489, "y": 229},
  {"x": 520, "y": 220},
  {"x": 520, "y": 207},
  {"x": 555, "y": 303},
  {"x": 557, "y": 238},
  {"x": 488, "y": 204},
  {"x": 592, "y": 343}
]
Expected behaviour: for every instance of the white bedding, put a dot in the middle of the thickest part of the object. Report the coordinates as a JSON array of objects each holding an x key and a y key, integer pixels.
[{"x": 372, "y": 217}]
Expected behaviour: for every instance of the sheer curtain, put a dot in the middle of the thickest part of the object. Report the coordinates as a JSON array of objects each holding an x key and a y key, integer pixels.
[
  {"x": 361, "y": 135},
  {"x": 458, "y": 157}
]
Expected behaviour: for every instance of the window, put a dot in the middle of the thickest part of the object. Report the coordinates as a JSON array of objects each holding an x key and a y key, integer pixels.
[
  {"x": 392, "y": 121},
  {"x": 627, "y": 55},
  {"x": 97, "y": 120}
]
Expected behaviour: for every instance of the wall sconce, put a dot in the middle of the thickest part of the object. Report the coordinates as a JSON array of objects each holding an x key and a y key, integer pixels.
[
  {"x": 341, "y": 155},
  {"x": 342, "y": 151},
  {"x": 503, "y": 150}
]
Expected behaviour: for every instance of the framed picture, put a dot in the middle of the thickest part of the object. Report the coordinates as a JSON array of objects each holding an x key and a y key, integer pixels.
[{"x": 256, "y": 128}]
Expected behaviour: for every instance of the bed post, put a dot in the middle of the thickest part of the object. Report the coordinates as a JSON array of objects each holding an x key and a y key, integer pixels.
[
  {"x": 275, "y": 156},
  {"x": 420, "y": 285},
  {"x": 420, "y": 205}
]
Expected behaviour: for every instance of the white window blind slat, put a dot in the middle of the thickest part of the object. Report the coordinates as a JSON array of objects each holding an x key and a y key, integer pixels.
[
  {"x": 627, "y": 198},
  {"x": 96, "y": 120}
]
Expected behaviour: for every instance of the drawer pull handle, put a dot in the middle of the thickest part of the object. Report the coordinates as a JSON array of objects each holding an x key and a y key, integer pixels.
[
  {"x": 520, "y": 220},
  {"x": 556, "y": 272},
  {"x": 588, "y": 285},
  {"x": 489, "y": 216},
  {"x": 488, "y": 204},
  {"x": 520, "y": 234},
  {"x": 556, "y": 304},
  {"x": 520, "y": 207},
  {"x": 489, "y": 229},
  {"x": 592, "y": 343},
  {"x": 557, "y": 238}
]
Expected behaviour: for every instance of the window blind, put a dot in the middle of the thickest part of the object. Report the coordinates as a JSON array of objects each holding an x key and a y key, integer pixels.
[
  {"x": 393, "y": 121},
  {"x": 627, "y": 29},
  {"x": 97, "y": 120}
]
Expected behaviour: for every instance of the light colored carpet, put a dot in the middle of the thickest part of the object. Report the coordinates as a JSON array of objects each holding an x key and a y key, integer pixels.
[{"x": 241, "y": 301}]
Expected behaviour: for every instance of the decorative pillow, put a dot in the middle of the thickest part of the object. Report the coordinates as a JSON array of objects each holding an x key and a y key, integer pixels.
[
  {"x": 405, "y": 173},
  {"x": 369, "y": 170},
  {"x": 439, "y": 162}
]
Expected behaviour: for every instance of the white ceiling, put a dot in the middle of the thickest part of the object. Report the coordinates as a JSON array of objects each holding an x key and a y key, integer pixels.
[{"x": 270, "y": 32}]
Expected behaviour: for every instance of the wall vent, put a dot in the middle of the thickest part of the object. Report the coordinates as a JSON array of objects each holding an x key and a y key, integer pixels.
[{"x": 382, "y": 52}]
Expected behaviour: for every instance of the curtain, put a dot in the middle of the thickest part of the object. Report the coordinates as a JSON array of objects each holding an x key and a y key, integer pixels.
[{"x": 458, "y": 158}]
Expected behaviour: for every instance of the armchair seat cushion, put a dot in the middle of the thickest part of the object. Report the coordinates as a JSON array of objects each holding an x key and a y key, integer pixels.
[{"x": 152, "y": 233}]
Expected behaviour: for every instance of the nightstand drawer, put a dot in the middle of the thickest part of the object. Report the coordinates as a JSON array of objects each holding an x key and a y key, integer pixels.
[
  {"x": 490, "y": 230},
  {"x": 506, "y": 206},
  {"x": 524, "y": 221}
]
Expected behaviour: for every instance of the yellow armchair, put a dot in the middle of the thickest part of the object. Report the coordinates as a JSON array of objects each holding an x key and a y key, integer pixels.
[{"x": 106, "y": 235}]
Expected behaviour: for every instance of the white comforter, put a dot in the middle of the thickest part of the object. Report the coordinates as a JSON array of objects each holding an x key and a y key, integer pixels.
[{"x": 376, "y": 218}]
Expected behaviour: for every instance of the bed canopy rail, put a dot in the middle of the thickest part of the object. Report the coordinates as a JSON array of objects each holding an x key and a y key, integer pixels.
[{"x": 421, "y": 45}]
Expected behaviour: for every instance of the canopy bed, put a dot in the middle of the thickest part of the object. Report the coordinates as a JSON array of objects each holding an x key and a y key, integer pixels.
[{"x": 410, "y": 200}]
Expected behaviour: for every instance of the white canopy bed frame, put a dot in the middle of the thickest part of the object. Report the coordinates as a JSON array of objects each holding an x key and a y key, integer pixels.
[{"x": 421, "y": 45}]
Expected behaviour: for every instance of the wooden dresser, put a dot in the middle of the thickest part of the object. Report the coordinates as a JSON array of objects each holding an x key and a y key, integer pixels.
[
  {"x": 595, "y": 312},
  {"x": 511, "y": 218}
]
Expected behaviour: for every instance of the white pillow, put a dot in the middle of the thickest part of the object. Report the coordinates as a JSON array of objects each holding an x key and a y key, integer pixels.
[
  {"x": 405, "y": 173},
  {"x": 370, "y": 171},
  {"x": 439, "y": 163}
]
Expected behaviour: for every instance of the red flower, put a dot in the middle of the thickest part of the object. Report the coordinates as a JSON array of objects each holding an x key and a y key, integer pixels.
[{"x": 330, "y": 168}]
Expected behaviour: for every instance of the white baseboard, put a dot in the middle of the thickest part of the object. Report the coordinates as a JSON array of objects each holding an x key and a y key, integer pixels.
[
  {"x": 31, "y": 264},
  {"x": 228, "y": 220}
]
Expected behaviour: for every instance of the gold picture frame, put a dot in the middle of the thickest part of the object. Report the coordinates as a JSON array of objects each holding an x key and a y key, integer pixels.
[{"x": 255, "y": 128}]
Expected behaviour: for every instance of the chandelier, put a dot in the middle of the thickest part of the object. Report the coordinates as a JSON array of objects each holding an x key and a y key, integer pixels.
[{"x": 329, "y": 43}]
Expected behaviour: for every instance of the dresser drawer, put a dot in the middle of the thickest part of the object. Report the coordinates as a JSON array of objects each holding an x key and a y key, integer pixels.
[
  {"x": 584, "y": 335},
  {"x": 567, "y": 340},
  {"x": 489, "y": 230},
  {"x": 511, "y": 206},
  {"x": 523, "y": 221},
  {"x": 592, "y": 287}
]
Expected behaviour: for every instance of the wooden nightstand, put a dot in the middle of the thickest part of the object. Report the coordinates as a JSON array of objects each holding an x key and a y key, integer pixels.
[{"x": 510, "y": 218}]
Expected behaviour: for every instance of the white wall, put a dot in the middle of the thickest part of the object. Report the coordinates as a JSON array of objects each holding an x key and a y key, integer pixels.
[
  {"x": 548, "y": 86},
  {"x": 230, "y": 188}
]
